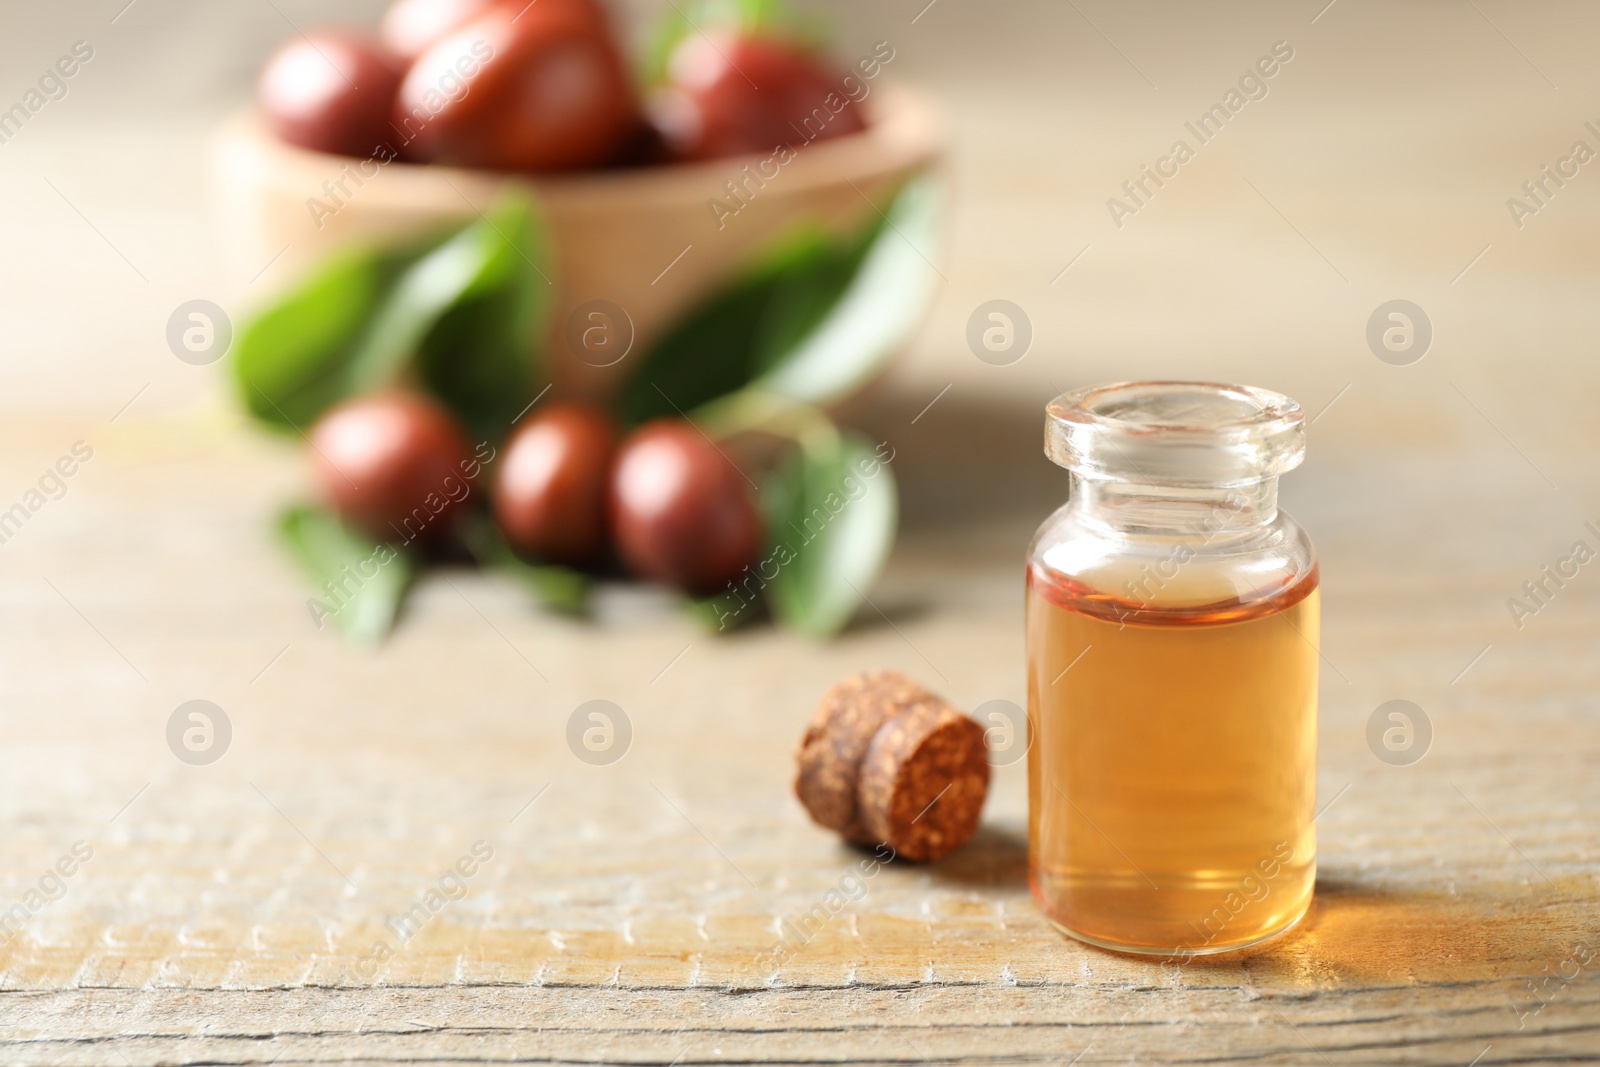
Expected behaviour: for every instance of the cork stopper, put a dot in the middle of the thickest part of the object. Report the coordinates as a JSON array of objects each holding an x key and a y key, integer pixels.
[{"x": 885, "y": 761}]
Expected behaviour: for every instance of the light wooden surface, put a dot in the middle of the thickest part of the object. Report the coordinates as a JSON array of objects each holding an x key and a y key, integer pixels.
[{"x": 626, "y": 911}]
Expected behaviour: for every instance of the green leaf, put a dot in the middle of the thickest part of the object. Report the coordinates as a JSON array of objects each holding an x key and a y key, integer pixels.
[
  {"x": 368, "y": 578},
  {"x": 811, "y": 321},
  {"x": 815, "y": 278},
  {"x": 831, "y": 514},
  {"x": 559, "y": 588},
  {"x": 889, "y": 287},
  {"x": 715, "y": 350},
  {"x": 467, "y": 311},
  {"x": 290, "y": 359},
  {"x": 479, "y": 356}
]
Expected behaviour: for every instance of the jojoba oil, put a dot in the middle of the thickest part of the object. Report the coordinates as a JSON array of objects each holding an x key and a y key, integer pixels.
[{"x": 1172, "y": 630}]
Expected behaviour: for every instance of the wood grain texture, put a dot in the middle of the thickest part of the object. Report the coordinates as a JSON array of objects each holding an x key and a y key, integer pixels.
[{"x": 630, "y": 912}]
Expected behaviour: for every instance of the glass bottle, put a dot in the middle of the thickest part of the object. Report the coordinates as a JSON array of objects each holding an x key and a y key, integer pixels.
[{"x": 1172, "y": 627}]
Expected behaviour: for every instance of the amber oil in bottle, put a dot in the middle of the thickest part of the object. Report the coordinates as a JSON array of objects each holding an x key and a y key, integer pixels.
[{"x": 1172, "y": 628}]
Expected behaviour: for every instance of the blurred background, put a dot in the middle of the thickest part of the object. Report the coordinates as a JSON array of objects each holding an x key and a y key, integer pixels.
[{"x": 1377, "y": 167}]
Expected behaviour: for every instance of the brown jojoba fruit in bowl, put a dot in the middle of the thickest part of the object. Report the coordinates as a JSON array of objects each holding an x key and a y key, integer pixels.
[
  {"x": 550, "y": 485},
  {"x": 729, "y": 95},
  {"x": 394, "y": 464},
  {"x": 540, "y": 88},
  {"x": 680, "y": 511},
  {"x": 330, "y": 91}
]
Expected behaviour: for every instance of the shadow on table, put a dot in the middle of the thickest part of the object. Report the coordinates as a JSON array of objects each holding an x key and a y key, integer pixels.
[
  {"x": 994, "y": 857},
  {"x": 888, "y": 614},
  {"x": 971, "y": 456}
]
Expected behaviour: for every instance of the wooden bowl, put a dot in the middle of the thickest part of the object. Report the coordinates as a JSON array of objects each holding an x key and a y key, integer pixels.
[{"x": 647, "y": 239}]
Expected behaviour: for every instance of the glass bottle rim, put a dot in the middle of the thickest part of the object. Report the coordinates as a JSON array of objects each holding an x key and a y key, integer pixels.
[{"x": 1175, "y": 433}]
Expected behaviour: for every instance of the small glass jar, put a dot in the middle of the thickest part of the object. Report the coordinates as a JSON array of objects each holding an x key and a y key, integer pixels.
[{"x": 1172, "y": 622}]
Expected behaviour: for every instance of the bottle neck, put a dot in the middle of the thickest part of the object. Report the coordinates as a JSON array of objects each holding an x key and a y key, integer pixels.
[{"x": 1207, "y": 513}]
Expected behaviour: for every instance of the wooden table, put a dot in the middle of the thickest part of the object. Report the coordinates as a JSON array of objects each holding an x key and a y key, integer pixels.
[{"x": 228, "y": 913}]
